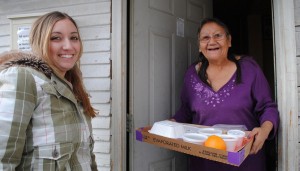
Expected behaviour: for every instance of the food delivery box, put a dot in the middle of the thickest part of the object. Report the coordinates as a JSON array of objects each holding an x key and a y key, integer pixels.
[{"x": 190, "y": 139}]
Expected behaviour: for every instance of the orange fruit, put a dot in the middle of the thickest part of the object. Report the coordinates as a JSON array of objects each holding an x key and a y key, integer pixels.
[{"x": 215, "y": 141}]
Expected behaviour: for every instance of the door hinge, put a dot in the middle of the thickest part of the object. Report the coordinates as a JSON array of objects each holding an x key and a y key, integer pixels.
[{"x": 129, "y": 123}]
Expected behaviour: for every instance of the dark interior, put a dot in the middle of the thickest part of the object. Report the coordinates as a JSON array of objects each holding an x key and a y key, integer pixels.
[{"x": 250, "y": 24}]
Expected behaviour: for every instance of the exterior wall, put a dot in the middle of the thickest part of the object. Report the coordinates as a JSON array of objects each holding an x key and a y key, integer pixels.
[
  {"x": 94, "y": 21},
  {"x": 297, "y": 35}
]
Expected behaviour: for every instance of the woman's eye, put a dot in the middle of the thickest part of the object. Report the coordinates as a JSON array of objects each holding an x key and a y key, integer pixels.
[
  {"x": 74, "y": 38},
  {"x": 217, "y": 36},
  {"x": 55, "y": 38},
  {"x": 205, "y": 38}
]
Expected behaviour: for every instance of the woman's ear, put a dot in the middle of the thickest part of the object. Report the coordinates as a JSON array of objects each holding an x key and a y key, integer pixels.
[{"x": 229, "y": 40}]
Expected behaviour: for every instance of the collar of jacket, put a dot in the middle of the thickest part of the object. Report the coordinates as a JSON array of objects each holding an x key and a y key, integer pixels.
[{"x": 17, "y": 58}]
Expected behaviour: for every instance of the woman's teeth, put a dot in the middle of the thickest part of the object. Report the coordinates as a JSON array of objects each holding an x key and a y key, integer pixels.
[{"x": 66, "y": 56}]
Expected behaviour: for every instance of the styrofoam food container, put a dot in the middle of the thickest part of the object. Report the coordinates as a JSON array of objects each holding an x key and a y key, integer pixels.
[
  {"x": 191, "y": 129},
  {"x": 239, "y": 134},
  {"x": 194, "y": 138},
  {"x": 230, "y": 141},
  {"x": 210, "y": 131},
  {"x": 168, "y": 129},
  {"x": 226, "y": 127}
]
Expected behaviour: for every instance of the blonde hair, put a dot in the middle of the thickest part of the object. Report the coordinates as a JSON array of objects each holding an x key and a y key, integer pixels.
[{"x": 39, "y": 40}]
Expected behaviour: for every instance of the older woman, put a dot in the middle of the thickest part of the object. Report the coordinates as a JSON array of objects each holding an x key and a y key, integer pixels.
[
  {"x": 45, "y": 112},
  {"x": 223, "y": 88}
]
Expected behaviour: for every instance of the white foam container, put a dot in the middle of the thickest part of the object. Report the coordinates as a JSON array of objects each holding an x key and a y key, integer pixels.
[
  {"x": 239, "y": 134},
  {"x": 226, "y": 127},
  {"x": 168, "y": 129},
  {"x": 210, "y": 131},
  {"x": 195, "y": 138},
  {"x": 231, "y": 141},
  {"x": 191, "y": 129}
]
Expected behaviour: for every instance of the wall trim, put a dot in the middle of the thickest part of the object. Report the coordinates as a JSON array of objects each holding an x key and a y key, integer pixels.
[
  {"x": 286, "y": 87},
  {"x": 119, "y": 77}
]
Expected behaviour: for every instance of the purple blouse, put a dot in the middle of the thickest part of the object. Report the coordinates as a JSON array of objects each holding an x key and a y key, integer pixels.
[{"x": 248, "y": 103}]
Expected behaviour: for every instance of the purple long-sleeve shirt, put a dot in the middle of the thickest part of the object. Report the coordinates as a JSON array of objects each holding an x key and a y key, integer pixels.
[{"x": 248, "y": 103}]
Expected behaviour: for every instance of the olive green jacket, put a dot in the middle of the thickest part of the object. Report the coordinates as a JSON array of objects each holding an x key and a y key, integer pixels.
[{"x": 43, "y": 127}]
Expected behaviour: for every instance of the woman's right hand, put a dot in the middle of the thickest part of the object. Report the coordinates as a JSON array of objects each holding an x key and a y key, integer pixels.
[{"x": 260, "y": 135}]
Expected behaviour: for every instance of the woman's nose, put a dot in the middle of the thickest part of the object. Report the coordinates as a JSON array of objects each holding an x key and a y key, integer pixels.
[{"x": 67, "y": 44}]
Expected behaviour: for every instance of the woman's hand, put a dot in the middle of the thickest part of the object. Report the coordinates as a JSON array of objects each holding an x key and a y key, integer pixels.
[{"x": 260, "y": 135}]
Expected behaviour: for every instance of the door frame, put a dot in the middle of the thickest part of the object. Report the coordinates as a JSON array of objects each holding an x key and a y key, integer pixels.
[
  {"x": 118, "y": 84},
  {"x": 286, "y": 83},
  {"x": 286, "y": 87}
]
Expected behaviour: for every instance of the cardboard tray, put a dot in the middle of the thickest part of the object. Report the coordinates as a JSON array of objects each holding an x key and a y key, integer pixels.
[{"x": 233, "y": 158}]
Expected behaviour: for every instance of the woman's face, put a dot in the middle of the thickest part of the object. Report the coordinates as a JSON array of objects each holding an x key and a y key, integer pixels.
[
  {"x": 64, "y": 45},
  {"x": 213, "y": 42}
]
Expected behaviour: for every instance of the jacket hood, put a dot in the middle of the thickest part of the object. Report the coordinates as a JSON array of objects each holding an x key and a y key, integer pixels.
[{"x": 24, "y": 59}]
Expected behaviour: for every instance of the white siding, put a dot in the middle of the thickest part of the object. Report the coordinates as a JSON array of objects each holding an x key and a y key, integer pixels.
[
  {"x": 94, "y": 20},
  {"x": 4, "y": 34},
  {"x": 297, "y": 35}
]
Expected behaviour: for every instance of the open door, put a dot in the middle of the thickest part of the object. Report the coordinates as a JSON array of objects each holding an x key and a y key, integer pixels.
[{"x": 163, "y": 42}]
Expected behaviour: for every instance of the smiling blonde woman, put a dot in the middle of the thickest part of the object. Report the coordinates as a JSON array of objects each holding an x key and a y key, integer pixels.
[{"x": 45, "y": 112}]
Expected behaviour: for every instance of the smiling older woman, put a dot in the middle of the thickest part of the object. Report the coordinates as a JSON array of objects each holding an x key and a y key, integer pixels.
[{"x": 223, "y": 88}]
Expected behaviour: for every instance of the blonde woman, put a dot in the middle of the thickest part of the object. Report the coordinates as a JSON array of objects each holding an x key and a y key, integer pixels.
[{"x": 45, "y": 112}]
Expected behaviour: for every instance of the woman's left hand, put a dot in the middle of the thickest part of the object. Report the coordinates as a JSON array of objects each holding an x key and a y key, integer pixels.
[{"x": 260, "y": 135}]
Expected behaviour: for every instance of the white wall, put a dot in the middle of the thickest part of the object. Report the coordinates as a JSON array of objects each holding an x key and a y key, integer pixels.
[
  {"x": 297, "y": 36},
  {"x": 94, "y": 20}
]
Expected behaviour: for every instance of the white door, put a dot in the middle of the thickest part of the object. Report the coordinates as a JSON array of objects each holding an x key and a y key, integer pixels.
[{"x": 162, "y": 45}]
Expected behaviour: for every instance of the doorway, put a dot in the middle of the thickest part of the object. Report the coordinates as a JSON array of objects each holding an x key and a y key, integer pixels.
[{"x": 250, "y": 23}]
